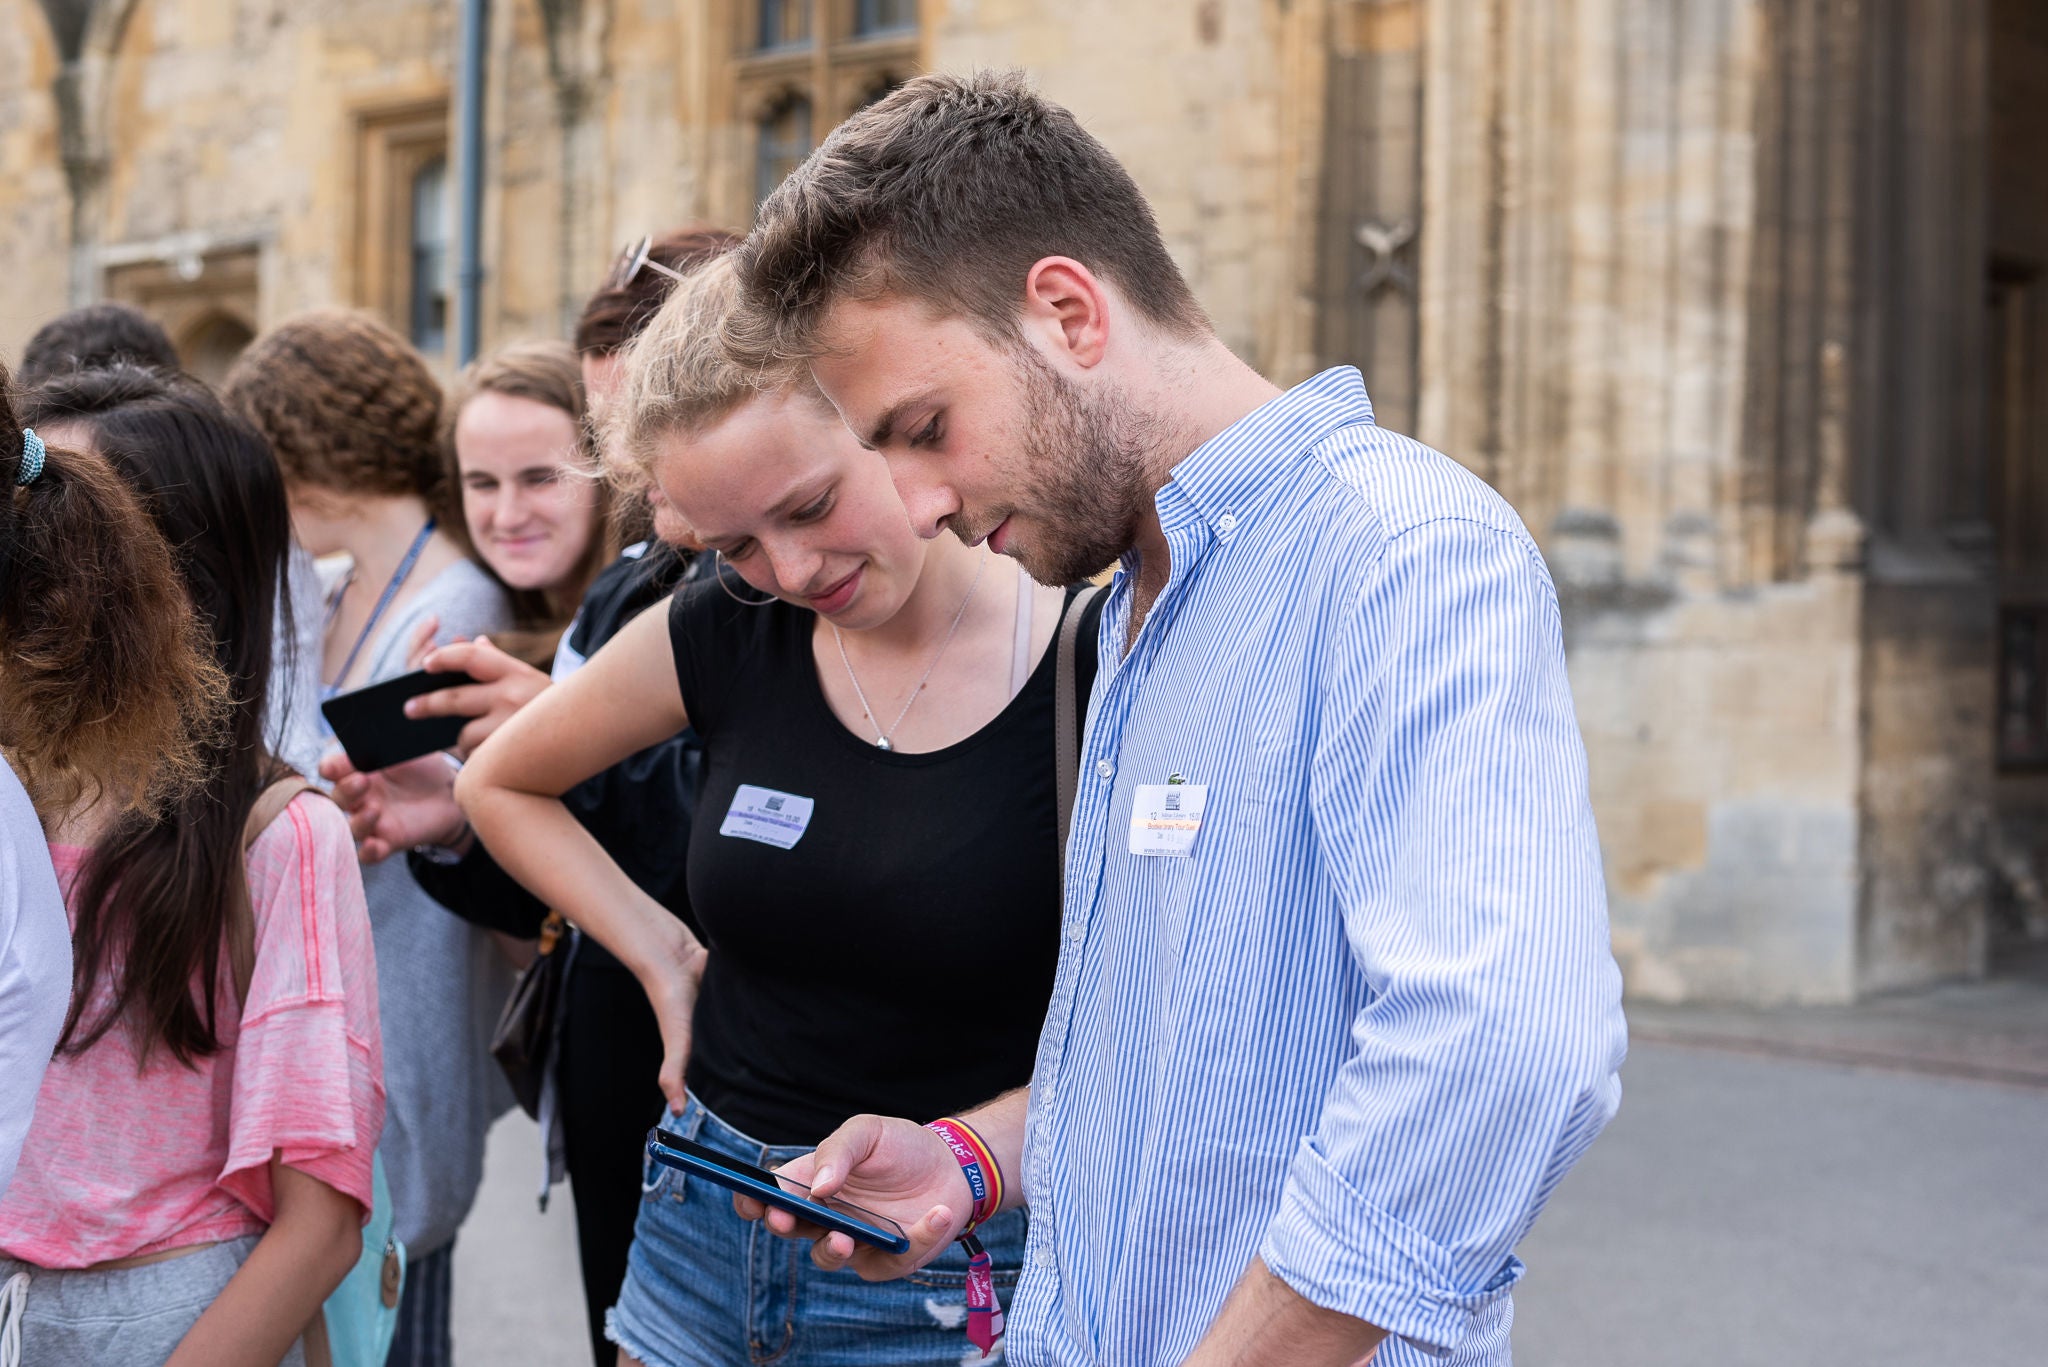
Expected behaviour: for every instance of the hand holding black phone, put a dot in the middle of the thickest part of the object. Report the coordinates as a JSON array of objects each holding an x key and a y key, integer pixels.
[
  {"x": 675, "y": 1151},
  {"x": 372, "y": 726}
]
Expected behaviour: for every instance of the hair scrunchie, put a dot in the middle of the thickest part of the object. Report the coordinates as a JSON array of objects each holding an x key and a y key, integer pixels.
[{"x": 31, "y": 458}]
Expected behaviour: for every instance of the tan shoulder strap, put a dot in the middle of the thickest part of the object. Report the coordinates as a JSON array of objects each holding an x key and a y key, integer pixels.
[
  {"x": 1066, "y": 721},
  {"x": 268, "y": 807}
]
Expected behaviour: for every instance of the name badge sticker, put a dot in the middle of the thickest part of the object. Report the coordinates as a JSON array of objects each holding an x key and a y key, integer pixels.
[
  {"x": 764, "y": 815},
  {"x": 1166, "y": 818}
]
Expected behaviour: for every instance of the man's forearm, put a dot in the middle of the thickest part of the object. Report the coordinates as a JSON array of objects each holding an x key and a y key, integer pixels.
[
  {"x": 1266, "y": 1323},
  {"x": 1000, "y": 1123}
]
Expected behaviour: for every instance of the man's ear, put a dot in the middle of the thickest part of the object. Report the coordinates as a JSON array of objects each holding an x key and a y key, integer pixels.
[{"x": 1067, "y": 307}]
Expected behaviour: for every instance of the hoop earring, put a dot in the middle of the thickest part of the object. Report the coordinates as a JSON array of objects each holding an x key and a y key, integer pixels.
[{"x": 718, "y": 564}]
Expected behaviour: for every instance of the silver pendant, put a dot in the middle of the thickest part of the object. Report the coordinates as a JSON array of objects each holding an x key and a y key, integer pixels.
[{"x": 882, "y": 743}]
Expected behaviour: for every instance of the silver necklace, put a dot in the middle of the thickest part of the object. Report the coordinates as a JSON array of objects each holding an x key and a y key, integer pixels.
[{"x": 882, "y": 741}]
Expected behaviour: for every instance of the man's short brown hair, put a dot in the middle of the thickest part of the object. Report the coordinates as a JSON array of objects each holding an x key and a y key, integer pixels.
[{"x": 948, "y": 190}]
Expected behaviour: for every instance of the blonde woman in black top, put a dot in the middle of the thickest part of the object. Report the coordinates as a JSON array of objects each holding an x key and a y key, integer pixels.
[{"x": 877, "y": 720}]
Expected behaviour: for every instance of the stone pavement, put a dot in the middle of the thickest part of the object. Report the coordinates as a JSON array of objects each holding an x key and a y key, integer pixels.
[
  {"x": 518, "y": 1295},
  {"x": 1748, "y": 1210},
  {"x": 1995, "y": 1031},
  {"x": 1797, "y": 1188}
]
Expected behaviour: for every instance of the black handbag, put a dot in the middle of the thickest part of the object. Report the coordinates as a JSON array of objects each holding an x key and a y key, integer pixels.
[{"x": 524, "y": 1040}]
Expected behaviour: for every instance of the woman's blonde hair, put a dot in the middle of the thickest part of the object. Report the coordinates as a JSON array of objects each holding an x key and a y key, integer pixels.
[{"x": 678, "y": 375}]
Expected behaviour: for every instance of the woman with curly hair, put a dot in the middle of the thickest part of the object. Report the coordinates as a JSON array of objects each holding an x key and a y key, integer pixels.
[
  {"x": 354, "y": 415},
  {"x": 112, "y": 698}
]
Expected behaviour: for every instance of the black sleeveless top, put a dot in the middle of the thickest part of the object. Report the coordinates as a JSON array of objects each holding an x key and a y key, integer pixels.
[{"x": 898, "y": 956}]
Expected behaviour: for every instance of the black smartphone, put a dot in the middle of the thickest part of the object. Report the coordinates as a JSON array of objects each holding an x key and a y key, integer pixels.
[
  {"x": 672, "y": 1150},
  {"x": 372, "y": 726}
]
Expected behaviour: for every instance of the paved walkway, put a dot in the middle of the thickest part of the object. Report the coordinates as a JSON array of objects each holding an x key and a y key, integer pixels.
[
  {"x": 1784, "y": 1189},
  {"x": 1994, "y": 1031},
  {"x": 1753, "y": 1211},
  {"x": 518, "y": 1295}
]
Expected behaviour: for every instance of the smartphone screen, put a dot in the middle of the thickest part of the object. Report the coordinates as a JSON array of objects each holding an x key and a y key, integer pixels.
[
  {"x": 758, "y": 1181},
  {"x": 372, "y": 726}
]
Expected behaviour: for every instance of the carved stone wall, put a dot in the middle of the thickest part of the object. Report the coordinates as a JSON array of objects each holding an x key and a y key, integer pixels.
[
  {"x": 1703, "y": 289},
  {"x": 1698, "y": 284}
]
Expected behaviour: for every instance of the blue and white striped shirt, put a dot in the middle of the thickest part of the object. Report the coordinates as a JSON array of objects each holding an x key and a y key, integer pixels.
[{"x": 1366, "y": 1027}]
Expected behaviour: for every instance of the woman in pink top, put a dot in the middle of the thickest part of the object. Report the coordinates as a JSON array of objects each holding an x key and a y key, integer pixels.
[{"x": 198, "y": 1168}]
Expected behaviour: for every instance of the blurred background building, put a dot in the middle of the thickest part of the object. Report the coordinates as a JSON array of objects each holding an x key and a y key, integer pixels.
[{"x": 1740, "y": 302}]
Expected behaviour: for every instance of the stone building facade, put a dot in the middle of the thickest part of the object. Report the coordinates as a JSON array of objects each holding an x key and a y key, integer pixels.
[{"x": 1739, "y": 301}]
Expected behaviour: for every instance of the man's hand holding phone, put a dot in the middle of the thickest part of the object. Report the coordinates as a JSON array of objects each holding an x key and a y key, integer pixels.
[
  {"x": 503, "y": 684},
  {"x": 893, "y": 1167}
]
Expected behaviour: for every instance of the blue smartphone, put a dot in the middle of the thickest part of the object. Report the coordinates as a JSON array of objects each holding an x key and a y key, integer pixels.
[{"x": 844, "y": 1217}]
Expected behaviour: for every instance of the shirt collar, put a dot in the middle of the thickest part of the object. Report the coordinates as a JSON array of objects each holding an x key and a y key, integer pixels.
[{"x": 1223, "y": 479}]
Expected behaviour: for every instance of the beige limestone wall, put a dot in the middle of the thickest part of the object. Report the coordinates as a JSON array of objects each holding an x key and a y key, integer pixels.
[
  {"x": 1213, "y": 107},
  {"x": 230, "y": 126},
  {"x": 34, "y": 224},
  {"x": 224, "y": 123},
  {"x": 1927, "y": 829},
  {"x": 1589, "y": 207},
  {"x": 1723, "y": 740}
]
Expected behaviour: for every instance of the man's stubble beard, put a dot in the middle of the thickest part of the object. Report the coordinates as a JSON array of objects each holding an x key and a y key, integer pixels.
[{"x": 1086, "y": 457}]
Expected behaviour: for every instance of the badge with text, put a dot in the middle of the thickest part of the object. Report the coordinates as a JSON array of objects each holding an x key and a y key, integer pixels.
[
  {"x": 765, "y": 815},
  {"x": 1166, "y": 818}
]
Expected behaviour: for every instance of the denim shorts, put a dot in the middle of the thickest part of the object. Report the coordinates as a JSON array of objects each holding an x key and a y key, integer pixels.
[
  {"x": 129, "y": 1317},
  {"x": 705, "y": 1288}
]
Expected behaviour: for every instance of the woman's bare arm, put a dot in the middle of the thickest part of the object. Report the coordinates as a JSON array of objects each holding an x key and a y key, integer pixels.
[
  {"x": 622, "y": 701},
  {"x": 315, "y": 1239}
]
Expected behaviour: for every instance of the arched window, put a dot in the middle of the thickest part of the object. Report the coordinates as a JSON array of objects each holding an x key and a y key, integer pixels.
[
  {"x": 782, "y": 139},
  {"x": 799, "y": 67},
  {"x": 427, "y": 311}
]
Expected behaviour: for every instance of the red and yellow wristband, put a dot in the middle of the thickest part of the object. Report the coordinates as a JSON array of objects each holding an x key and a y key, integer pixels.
[{"x": 978, "y": 1162}]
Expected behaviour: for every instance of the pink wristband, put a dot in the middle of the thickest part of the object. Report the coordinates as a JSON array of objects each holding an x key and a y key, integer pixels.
[{"x": 985, "y": 1181}]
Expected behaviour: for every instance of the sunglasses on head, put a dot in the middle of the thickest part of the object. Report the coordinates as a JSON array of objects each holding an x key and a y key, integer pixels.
[{"x": 634, "y": 258}]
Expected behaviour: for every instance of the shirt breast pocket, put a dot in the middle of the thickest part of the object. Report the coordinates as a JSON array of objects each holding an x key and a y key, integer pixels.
[{"x": 1230, "y": 913}]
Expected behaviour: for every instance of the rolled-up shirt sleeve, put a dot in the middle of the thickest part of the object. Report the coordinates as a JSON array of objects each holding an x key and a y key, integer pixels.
[{"x": 1449, "y": 797}]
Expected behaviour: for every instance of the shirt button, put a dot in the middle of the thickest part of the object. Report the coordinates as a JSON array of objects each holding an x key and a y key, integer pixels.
[
  {"x": 1227, "y": 523},
  {"x": 1104, "y": 769},
  {"x": 1044, "y": 1257},
  {"x": 1076, "y": 933}
]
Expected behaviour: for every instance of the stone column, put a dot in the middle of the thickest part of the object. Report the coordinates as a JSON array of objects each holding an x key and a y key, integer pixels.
[
  {"x": 1368, "y": 239},
  {"x": 88, "y": 34},
  {"x": 578, "y": 36},
  {"x": 1586, "y": 196}
]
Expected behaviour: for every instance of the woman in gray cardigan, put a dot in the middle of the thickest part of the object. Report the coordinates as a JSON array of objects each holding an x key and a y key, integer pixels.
[{"x": 353, "y": 414}]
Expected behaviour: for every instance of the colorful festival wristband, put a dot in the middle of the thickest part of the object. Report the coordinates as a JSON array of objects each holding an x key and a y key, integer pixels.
[
  {"x": 985, "y": 1181},
  {"x": 984, "y": 1175}
]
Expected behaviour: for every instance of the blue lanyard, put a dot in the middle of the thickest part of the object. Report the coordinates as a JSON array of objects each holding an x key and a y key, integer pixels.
[{"x": 391, "y": 588}]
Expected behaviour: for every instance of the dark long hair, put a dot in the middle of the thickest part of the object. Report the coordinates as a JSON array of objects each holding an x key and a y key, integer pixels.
[
  {"x": 156, "y": 894},
  {"x": 111, "y": 692}
]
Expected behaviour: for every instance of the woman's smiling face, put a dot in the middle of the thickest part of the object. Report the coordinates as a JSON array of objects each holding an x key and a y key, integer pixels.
[
  {"x": 531, "y": 507},
  {"x": 798, "y": 506}
]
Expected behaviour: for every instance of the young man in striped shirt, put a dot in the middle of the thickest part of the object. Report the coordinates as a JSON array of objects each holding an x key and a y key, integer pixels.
[{"x": 1336, "y": 1007}]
